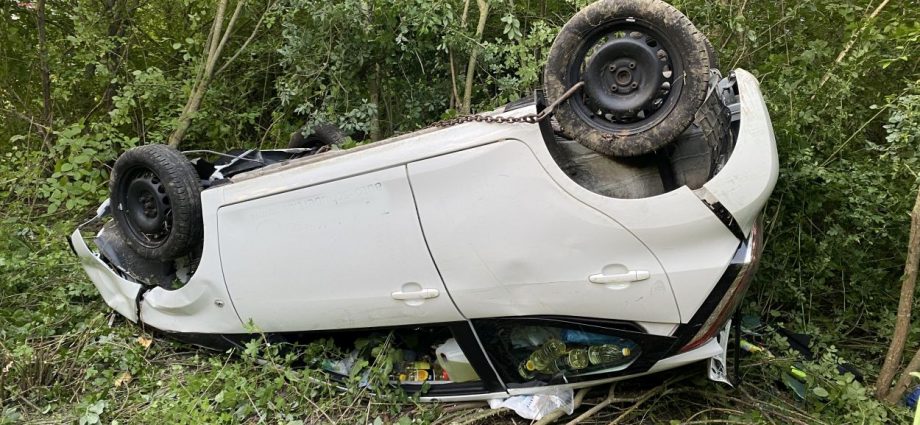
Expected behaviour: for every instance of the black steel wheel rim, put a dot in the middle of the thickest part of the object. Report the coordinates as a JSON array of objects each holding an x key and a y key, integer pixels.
[
  {"x": 632, "y": 75},
  {"x": 145, "y": 207}
]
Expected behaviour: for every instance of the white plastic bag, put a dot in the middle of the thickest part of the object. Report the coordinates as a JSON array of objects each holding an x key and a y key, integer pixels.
[{"x": 536, "y": 406}]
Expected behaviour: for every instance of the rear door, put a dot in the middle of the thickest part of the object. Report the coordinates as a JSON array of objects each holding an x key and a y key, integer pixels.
[
  {"x": 509, "y": 241},
  {"x": 343, "y": 254}
]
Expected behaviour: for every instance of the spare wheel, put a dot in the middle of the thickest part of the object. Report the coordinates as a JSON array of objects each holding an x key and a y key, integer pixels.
[
  {"x": 156, "y": 201},
  {"x": 645, "y": 69}
]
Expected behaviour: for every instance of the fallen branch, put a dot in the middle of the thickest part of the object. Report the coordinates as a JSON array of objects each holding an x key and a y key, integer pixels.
[
  {"x": 661, "y": 390},
  {"x": 600, "y": 406}
]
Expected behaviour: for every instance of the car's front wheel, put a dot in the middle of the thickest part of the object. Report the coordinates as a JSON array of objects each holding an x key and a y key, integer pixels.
[{"x": 156, "y": 201}]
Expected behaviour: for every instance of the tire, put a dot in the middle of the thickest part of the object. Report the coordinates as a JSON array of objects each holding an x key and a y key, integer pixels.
[
  {"x": 694, "y": 158},
  {"x": 713, "y": 55},
  {"x": 643, "y": 85},
  {"x": 322, "y": 135},
  {"x": 697, "y": 151},
  {"x": 156, "y": 202}
]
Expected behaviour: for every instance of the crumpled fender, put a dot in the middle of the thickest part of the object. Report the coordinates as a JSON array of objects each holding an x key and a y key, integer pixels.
[
  {"x": 118, "y": 293},
  {"x": 747, "y": 180}
]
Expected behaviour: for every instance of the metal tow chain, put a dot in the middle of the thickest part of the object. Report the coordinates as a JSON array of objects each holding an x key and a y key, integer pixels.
[{"x": 528, "y": 119}]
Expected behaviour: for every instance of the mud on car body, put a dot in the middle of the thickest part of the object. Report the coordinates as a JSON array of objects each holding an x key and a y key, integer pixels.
[{"x": 612, "y": 238}]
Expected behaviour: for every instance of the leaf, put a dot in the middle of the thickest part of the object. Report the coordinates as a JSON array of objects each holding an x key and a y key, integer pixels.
[
  {"x": 124, "y": 379},
  {"x": 820, "y": 392},
  {"x": 144, "y": 341}
]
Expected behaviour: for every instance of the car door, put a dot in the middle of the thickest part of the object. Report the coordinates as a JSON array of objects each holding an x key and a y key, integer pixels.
[
  {"x": 509, "y": 241},
  {"x": 343, "y": 254}
]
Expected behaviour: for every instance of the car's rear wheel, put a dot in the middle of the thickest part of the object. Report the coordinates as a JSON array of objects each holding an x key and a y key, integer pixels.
[
  {"x": 322, "y": 135},
  {"x": 156, "y": 200},
  {"x": 646, "y": 72},
  {"x": 691, "y": 160}
]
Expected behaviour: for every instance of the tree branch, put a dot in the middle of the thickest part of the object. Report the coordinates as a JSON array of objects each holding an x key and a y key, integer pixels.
[
  {"x": 849, "y": 46},
  {"x": 45, "y": 71},
  {"x": 214, "y": 49},
  {"x": 471, "y": 65},
  {"x": 248, "y": 40}
]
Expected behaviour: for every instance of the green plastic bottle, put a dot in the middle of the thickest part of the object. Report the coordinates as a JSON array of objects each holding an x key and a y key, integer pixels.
[{"x": 607, "y": 354}]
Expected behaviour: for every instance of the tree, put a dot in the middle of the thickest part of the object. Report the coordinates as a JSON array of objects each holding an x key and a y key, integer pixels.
[
  {"x": 902, "y": 325},
  {"x": 471, "y": 64},
  {"x": 217, "y": 39}
]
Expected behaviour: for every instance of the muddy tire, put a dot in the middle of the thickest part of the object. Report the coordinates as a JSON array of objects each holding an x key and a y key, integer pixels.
[
  {"x": 156, "y": 201},
  {"x": 322, "y": 135},
  {"x": 646, "y": 73},
  {"x": 698, "y": 150},
  {"x": 713, "y": 55}
]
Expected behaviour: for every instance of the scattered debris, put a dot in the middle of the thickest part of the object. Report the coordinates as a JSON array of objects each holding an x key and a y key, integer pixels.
[
  {"x": 537, "y": 406},
  {"x": 123, "y": 379},
  {"x": 144, "y": 341}
]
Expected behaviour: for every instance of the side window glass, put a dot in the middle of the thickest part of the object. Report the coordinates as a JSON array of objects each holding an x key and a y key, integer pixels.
[
  {"x": 425, "y": 359},
  {"x": 555, "y": 352}
]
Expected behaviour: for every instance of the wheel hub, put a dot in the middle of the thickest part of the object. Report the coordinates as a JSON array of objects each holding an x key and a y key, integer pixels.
[
  {"x": 147, "y": 210},
  {"x": 624, "y": 75}
]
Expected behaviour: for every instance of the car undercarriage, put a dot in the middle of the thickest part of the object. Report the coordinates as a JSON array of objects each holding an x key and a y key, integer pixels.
[{"x": 501, "y": 253}]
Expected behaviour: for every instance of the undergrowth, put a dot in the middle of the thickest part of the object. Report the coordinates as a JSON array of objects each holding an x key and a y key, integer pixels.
[{"x": 66, "y": 358}]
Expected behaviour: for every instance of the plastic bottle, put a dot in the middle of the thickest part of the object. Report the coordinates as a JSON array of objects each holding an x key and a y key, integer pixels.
[
  {"x": 417, "y": 371},
  {"x": 577, "y": 359},
  {"x": 607, "y": 354},
  {"x": 526, "y": 369},
  {"x": 543, "y": 358},
  {"x": 452, "y": 359}
]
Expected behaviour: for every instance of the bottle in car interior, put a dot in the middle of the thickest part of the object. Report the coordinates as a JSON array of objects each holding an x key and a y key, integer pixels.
[{"x": 608, "y": 354}]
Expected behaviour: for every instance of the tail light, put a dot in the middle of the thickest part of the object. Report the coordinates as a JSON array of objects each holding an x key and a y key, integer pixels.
[{"x": 734, "y": 294}]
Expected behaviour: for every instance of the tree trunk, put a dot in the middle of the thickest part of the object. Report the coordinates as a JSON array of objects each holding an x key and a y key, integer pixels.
[
  {"x": 214, "y": 49},
  {"x": 471, "y": 65},
  {"x": 897, "y": 393},
  {"x": 902, "y": 325},
  {"x": 47, "y": 116},
  {"x": 374, "y": 89}
]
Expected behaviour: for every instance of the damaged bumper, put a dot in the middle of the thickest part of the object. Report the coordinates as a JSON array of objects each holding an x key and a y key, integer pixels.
[
  {"x": 120, "y": 294},
  {"x": 743, "y": 186}
]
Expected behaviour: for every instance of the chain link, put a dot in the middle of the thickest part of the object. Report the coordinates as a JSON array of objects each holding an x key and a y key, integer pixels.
[{"x": 525, "y": 119}]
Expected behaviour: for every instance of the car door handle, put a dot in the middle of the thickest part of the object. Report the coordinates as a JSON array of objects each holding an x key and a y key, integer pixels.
[
  {"x": 423, "y": 294},
  {"x": 630, "y": 276}
]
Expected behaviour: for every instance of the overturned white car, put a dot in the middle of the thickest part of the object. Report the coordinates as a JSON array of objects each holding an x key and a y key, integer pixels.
[{"x": 610, "y": 235}]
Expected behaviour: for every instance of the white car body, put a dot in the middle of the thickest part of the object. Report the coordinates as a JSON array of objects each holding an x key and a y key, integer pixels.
[{"x": 455, "y": 225}]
